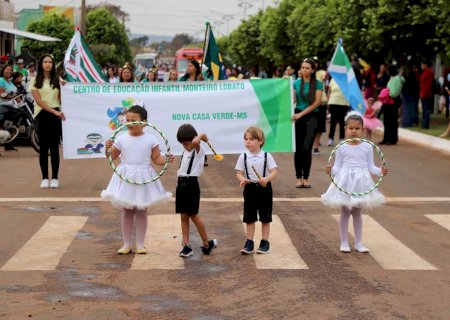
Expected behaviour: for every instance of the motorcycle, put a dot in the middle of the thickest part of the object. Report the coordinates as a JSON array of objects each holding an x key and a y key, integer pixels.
[{"x": 16, "y": 120}]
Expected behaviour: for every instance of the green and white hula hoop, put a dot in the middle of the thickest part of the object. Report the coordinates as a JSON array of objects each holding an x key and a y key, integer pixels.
[
  {"x": 166, "y": 164},
  {"x": 357, "y": 194}
]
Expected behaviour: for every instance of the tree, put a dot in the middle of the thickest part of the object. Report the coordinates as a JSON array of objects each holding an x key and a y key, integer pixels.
[
  {"x": 179, "y": 41},
  {"x": 104, "y": 29},
  {"x": 245, "y": 46},
  {"x": 278, "y": 47},
  {"x": 115, "y": 10},
  {"x": 52, "y": 26}
]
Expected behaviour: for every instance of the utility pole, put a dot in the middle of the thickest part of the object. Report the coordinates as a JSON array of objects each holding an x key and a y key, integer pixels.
[{"x": 83, "y": 17}]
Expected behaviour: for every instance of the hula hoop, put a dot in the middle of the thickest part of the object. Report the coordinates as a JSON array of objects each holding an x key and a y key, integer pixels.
[
  {"x": 166, "y": 164},
  {"x": 357, "y": 194}
]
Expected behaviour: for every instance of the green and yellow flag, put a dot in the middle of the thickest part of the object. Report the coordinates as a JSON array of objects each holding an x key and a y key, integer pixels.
[{"x": 211, "y": 57}]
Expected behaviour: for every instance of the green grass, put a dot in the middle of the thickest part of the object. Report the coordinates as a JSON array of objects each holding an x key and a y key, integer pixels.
[{"x": 438, "y": 125}]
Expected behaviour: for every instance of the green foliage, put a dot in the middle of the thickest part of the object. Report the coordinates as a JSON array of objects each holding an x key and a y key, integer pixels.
[
  {"x": 105, "y": 31},
  {"x": 278, "y": 46},
  {"x": 244, "y": 43},
  {"x": 52, "y": 26},
  {"x": 375, "y": 29}
]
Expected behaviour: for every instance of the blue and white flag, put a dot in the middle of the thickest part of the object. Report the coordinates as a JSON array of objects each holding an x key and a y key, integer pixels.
[{"x": 342, "y": 72}]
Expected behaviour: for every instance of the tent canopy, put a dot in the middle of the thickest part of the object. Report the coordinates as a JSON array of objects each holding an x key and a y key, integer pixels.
[{"x": 29, "y": 35}]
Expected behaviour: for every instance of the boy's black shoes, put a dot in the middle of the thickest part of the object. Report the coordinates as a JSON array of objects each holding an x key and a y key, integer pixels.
[
  {"x": 249, "y": 247},
  {"x": 211, "y": 245},
  {"x": 186, "y": 252},
  {"x": 264, "y": 247}
]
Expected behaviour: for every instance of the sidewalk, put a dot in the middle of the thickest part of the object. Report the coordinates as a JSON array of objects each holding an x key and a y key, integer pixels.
[{"x": 425, "y": 140}]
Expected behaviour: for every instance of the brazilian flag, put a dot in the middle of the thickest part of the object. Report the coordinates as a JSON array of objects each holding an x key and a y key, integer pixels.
[{"x": 212, "y": 58}]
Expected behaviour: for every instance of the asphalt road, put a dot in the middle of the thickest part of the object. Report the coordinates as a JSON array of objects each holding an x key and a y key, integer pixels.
[{"x": 58, "y": 248}]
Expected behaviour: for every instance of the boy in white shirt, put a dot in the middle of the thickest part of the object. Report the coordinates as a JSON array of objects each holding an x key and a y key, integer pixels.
[
  {"x": 255, "y": 171},
  {"x": 187, "y": 198}
]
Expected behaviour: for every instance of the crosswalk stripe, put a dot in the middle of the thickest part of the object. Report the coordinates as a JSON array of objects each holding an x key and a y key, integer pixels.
[
  {"x": 283, "y": 254},
  {"x": 45, "y": 248},
  {"x": 163, "y": 243},
  {"x": 389, "y": 252},
  {"x": 441, "y": 219}
]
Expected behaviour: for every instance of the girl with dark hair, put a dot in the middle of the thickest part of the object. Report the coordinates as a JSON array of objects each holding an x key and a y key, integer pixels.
[
  {"x": 307, "y": 97},
  {"x": 47, "y": 111}
]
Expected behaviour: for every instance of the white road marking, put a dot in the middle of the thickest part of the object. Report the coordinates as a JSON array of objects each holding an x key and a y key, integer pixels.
[
  {"x": 240, "y": 199},
  {"x": 441, "y": 219},
  {"x": 389, "y": 252},
  {"x": 283, "y": 254},
  {"x": 45, "y": 248},
  {"x": 163, "y": 242}
]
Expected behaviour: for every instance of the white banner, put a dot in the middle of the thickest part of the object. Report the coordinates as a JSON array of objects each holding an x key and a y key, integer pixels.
[{"x": 221, "y": 109}]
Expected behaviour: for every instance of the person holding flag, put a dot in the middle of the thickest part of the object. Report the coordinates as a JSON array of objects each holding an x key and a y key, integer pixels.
[
  {"x": 211, "y": 57},
  {"x": 342, "y": 72},
  {"x": 79, "y": 62}
]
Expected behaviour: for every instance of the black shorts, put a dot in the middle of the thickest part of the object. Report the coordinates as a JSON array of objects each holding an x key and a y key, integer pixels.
[
  {"x": 187, "y": 196},
  {"x": 321, "y": 117},
  {"x": 258, "y": 199}
]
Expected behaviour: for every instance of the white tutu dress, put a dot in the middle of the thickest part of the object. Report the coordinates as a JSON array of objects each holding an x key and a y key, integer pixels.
[
  {"x": 135, "y": 153},
  {"x": 352, "y": 171}
]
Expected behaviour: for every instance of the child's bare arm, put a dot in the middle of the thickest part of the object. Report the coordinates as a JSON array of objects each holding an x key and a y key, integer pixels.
[
  {"x": 242, "y": 179},
  {"x": 158, "y": 159},
  {"x": 196, "y": 142},
  {"x": 111, "y": 150},
  {"x": 272, "y": 174}
]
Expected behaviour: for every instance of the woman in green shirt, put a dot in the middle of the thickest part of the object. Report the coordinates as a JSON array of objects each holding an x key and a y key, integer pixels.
[{"x": 307, "y": 97}]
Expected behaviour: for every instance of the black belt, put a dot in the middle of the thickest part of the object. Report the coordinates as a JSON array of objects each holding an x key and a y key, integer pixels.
[{"x": 184, "y": 179}]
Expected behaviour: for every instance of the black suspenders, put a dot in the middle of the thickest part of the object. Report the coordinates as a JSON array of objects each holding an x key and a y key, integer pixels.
[
  {"x": 190, "y": 162},
  {"x": 265, "y": 164}
]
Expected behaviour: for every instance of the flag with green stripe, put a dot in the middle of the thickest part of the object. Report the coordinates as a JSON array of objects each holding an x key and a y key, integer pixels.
[
  {"x": 79, "y": 62},
  {"x": 212, "y": 58}
]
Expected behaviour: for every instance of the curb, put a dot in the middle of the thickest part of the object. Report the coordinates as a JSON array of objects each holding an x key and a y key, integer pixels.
[{"x": 435, "y": 143}]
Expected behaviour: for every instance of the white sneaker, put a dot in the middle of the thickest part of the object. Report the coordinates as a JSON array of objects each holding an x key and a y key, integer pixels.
[
  {"x": 330, "y": 142},
  {"x": 361, "y": 248},
  {"x": 54, "y": 183},
  {"x": 345, "y": 248},
  {"x": 44, "y": 184}
]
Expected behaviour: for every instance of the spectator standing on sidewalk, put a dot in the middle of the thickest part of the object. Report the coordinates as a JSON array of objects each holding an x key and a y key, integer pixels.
[
  {"x": 426, "y": 92},
  {"x": 391, "y": 109},
  {"x": 321, "y": 75},
  {"x": 338, "y": 106},
  {"x": 410, "y": 97}
]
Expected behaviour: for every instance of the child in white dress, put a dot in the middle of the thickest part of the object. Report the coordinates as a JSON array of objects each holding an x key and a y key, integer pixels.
[
  {"x": 352, "y": 171},
  {"x": 137, "y": 149}
]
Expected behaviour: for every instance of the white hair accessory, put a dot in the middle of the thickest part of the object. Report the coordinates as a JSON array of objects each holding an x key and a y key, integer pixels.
[
  {"x": 139, "y": 103},
  {"x": 354, "y": 114}
]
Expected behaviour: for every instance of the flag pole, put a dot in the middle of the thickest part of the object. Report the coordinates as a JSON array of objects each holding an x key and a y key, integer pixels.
[{"x": 208, "y": 25}]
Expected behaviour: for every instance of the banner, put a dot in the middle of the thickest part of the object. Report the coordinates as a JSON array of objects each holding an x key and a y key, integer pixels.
[
  {"x": 80, "y": 64},
  {"x": 221, "y": 109},
  {"x": 342, "y": 72}
]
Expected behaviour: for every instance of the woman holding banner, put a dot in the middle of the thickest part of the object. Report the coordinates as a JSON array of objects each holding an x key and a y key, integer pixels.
[
  {"x": 307, "y": 96},
  {"x": 47, "y": 111}
]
